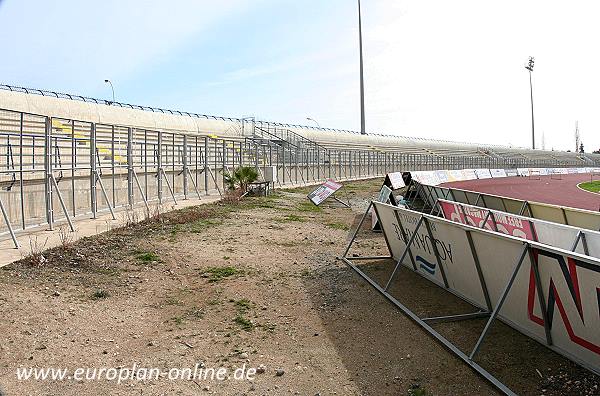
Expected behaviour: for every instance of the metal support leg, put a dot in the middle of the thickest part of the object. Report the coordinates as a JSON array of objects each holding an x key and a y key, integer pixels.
[
  {"x": 362, "y": 220},
  {"x": 103, "y": 190},
  {"x": 436, "y": 252},
  {"x": 500, "y": 301},
  {"x": 161, "y": 170},
  {"x": 541, "y": 298},
  {"x": 8, "y": 225},
  {"x": 193, "y": 183},
  {"x": 141, "y": 190},
  {"x": 62, "y": 202},
  {"x": 406, "y": 249}
]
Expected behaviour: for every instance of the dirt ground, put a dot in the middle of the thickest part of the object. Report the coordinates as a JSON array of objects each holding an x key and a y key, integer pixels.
[{"x": 258, "y": 283}]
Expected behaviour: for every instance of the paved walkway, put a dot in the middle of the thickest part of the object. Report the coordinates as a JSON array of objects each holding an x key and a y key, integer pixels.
[{"x": 562, "y": 192}]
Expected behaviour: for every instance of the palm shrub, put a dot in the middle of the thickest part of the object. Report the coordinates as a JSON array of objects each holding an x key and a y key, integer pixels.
[{"x": 240, "y": 178}]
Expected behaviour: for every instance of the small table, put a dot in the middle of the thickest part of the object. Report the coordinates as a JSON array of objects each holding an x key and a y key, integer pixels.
[{"x": 263, "y": 187}]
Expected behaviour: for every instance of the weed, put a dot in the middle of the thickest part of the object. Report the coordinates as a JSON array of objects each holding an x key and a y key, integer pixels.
[
  {"x": 243, "y": 305},
  {"x": 65, "y": 236},
  {"x": 216, "y": 274},
  {"x": 147, "y": 257},
  {"x": 416, "y": 390},
  {"x": 244, "y": 323},
  {"x": 292, "y": 217},
  {"x": 338, "y": 226},
  {"x": 201, "y": 225},
  {"x": 308, "y": 207},
  {"x": 35, "y": 256},
  {"x": 178, "y": 320},
  {"x": 100, "y": 294}
]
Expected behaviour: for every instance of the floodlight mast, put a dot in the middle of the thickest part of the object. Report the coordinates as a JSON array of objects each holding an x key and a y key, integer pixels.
[
  {"x": 530, "y": 68},
  {"x": 362, "y": 84}
]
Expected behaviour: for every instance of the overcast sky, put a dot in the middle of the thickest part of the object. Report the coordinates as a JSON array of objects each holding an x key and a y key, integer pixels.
[{"x": 435, "y": 69}]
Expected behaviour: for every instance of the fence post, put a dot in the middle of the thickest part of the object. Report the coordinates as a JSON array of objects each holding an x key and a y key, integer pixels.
[
  {"x": 224, "y": 161},
  {"x": 159, "y": 165},
  {"x": 206, "y": 169},
  {"x": 48, "y": 171},
  {"x": 130, "y": 167},
  {"x": 185, "y": 167},
  {"x": 93, "y": 165}
]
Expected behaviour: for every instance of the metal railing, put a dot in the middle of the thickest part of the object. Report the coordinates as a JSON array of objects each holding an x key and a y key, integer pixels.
[{"x": 55, "y": 170}]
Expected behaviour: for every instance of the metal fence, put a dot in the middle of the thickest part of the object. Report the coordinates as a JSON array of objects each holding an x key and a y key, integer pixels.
[{"x": 54, "y": 169}]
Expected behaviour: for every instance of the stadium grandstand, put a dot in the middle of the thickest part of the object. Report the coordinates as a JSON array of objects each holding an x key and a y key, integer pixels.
[{"x": 64, "y": 156}]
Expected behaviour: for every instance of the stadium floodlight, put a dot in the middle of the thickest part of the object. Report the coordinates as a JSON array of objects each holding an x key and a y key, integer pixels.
[
  {"x": 362, "y": 84},
  {"x": 112, "y": 88},
  {"x": 313, "y": 120},
  {"x": 529, "y": 67}
]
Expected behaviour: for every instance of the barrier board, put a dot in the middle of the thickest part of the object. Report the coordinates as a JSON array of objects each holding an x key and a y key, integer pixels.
[
  {"x": 562, "y": 236},
  {"x": 497, "y": 173},
  {"x": 469, "y": 174},
  {"x": 483, "y": 173},
  {"x": 394, "y": 180},
  {"x": 581, "y": 218},
  {"x": 324, "y": 191},
  {"x": 478, "y": 266}
]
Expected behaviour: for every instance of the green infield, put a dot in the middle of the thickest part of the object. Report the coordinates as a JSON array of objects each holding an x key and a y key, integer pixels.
[{"x": 593, "y": 186}]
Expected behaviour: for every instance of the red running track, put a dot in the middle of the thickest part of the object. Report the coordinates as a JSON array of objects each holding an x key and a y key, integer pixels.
[{"x": 557, "y": 192}]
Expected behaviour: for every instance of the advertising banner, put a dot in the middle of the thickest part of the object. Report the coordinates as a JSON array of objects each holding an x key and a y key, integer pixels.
[
  {"x": 483, "y": 173},
  {"x": 552, "y": 234},
  {"x": 581, "y": 218},
  {"x": 511, "y": 172},
  {"x": 394, "y": 180},
  {"x": 324, "y": 191},
  {"x": 449, "y": 254},
  {"x": 469, "y": 174},
  {"x": 498, "y": 172}
]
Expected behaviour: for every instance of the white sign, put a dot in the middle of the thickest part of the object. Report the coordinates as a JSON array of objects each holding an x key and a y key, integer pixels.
[
  {"x": 324, "y": 191},
  {"x": 396, "y": 181}
]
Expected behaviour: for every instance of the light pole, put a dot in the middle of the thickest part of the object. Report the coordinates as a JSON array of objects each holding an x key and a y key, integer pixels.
[
  {"x": 313, "y": 120},
  {"x": 530, "y": 68},
  {"x": 112, "y": 88},
  {"x": 362, "y": 84}
]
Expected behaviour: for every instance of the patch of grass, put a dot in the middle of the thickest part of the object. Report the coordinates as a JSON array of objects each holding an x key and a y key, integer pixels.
[
  {"x": 338, "y": 226},
  {"x": 307, "y": 206},
  {"x": 417, "y": 391},
  {"x": 243, "y": 305},
  {"x": 216, "y": 274},
  {"x": 178, "y": 320},
  {"x": 226, "y": 257},
  {"x": 593, "y": 186},
  {"x": 244, "y": 323},
  {"x": 201, "y": 225},
  {"x": 292, "y": 217},
  {"x": 100, "y": 294},
  {"x": 147, "y": 257},
  {"x": 107, "y": 271}
]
